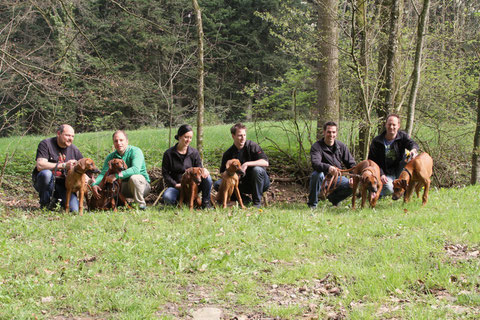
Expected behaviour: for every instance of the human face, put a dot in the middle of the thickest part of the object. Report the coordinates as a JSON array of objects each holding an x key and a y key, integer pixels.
[
  {"x": 120, "y": 142},
  {"x": 239, "y": 138},
  {"x": 392, "y": 125},
  {"x": 186, "y": 139},
  {"x": 65, "y": 139},
  {"x": 330, "y": 135}
]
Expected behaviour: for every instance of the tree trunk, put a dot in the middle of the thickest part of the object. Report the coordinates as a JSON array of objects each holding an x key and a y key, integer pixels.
[
  {"x": 387, "y": 59},
  {"x": 417, "y": 67},
  {"x": 328, "y": 94},
  {"x": 476, "y": 145},
  {"x": 201, "y": 70}
]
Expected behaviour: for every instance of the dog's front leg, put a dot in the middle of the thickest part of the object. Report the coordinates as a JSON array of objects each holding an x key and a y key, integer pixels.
[{"x": 239, "y": 196}]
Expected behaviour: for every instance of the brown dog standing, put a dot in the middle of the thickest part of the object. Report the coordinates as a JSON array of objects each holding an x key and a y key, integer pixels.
[
  {"x": 189, "y": 183},
  {"x": 76, "y": 180},
  {"x": 230, "y": 181},
  {"x": 416, "y": 174},
  {"x": 366, "y": 174},
  {"x": 109, "y": 192}
]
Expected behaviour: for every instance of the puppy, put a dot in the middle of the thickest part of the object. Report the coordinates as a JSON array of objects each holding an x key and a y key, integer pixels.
[
  {"x": 190, "y": 181},
  {"x": 229, "y": 184},
  {"x": 416, "y": 174},
  {"x": 76, "y": 180},
  {"x": 110, "y": 191},
  {"x": 366, "y": 174}
]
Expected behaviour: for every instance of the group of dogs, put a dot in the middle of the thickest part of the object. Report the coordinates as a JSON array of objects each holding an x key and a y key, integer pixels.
[{"x": 365, "y": 175}]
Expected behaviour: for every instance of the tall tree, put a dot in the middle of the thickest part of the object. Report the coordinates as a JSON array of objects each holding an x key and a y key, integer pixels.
[
  {"x": 475, "y": 178},
  {"x": 328, "y": 93},
  {"x": 422, "y": 25},
  {"x": 386, "y": 65},
  {"x": 201, "y": 70}
]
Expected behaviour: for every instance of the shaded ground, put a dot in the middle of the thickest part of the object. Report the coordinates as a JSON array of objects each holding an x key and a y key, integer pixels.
[{"x": 20, "y": 194}]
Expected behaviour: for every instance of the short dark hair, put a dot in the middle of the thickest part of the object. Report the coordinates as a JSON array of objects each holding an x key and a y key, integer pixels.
[
  {"x": 237, "y": 126},
  {"x": 393, "y": 115},
  {"x": 329, "y": 124},
  {"x": 61, "y": 128},
  {"x": 120, "y": 131}
]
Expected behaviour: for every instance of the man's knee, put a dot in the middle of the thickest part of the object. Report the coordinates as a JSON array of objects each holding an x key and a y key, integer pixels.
[
  {"x": 170, "y": 196},
  {"x": 216, "y": 185},
  {"x": 44, "y": 177},
  {"x": 316, "y": 178},
  {"x": 138, "y": 182},
  {"x": 258, "y": 172}
]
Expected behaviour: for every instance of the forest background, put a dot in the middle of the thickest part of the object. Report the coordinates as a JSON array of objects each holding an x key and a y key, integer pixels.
[{"x": 104, "y": 64}]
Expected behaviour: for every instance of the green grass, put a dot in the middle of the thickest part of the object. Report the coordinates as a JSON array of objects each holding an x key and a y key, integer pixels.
[{"x": 281, "y": 261}]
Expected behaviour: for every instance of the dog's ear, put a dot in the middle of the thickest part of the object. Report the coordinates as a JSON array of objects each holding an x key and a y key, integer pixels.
[
  {"x": 82, "y": 163},
  {"x": 110, "y": 164},
  {"x": 403, "y": 184},
  {"x": 229, "y": 163}
]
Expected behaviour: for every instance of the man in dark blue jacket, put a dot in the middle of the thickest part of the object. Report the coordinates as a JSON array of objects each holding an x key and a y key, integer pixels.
[
  {"x": 328, "y": 156},
  {"x": 388, "y": 151}
]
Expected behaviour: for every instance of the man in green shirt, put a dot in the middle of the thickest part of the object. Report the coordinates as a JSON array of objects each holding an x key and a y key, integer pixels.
[{"x": 135, "y": 180}]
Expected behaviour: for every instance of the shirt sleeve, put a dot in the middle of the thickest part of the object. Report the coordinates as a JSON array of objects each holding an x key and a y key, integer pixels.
[
  {"x": 257, "y": 152},
  {"x": 137, "y": 161},
  {"x": 42, "y": 150},
  {"x": 99, "y": 178},
  {"x": 316, "y": 155},
  {"x": 166, "y": 166}
]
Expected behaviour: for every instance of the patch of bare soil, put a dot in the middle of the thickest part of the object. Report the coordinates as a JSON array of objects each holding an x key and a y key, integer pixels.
[{"x": 459, "y": 252}]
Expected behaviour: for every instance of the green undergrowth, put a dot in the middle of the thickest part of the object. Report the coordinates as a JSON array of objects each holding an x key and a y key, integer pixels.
[{"x": 396, "y": 261}]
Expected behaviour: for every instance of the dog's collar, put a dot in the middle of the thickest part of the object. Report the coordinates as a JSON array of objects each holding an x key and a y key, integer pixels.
[
  {"x": 231, "y": 175},
  {"x": 409, "y": 174}
]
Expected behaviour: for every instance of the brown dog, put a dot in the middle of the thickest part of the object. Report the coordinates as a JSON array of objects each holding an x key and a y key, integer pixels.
[
  {"x": 76, "y": 180},
  {"x": 189, "y": 187},
  {"x": 366, "y": 174},
  {"x": 110, "y": 191},
  {"x": 229, "y": 183},
  {"x": 416, "y": 174}
]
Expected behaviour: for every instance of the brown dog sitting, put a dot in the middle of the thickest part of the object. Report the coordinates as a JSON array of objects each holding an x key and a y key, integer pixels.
[
  {"x": 110, "y": 195},
  {"x": 189, "y": 183},
  {"x": 229, "y": 184},
  {"x": 76, "y": 180},
  {"x": 416, "y": 174},
  {"x": 366, "y": 174}
]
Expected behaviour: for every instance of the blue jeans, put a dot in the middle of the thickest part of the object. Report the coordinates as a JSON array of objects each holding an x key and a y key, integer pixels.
[
  {"x": 171, "y": 195},
  {"x": 341, "y": 192},
  {"x": 44, "y": 187},
  {"x": 255, "y": 182}
]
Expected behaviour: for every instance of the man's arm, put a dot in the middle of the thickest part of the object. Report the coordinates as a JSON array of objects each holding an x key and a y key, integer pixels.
[
  {"x": 316, "y": 156},
  {"x": 138, "y": 161}
]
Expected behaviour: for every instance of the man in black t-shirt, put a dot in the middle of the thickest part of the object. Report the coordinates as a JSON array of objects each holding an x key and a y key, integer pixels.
[
  {"x": 54, "y": 157},
  {"x": 255, "y": 180}
]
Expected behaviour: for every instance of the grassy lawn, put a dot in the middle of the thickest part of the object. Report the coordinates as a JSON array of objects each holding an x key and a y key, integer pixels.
[{"x": 284, "y": 261}]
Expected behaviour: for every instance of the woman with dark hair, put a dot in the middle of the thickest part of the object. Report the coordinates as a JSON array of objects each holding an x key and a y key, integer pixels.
[{"x": 179, "y": 158}]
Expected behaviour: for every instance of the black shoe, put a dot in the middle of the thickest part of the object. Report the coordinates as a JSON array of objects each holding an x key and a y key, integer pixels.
[{"x": 207, "y": 205}]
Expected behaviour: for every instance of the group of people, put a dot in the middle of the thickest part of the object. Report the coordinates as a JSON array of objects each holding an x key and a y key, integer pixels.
[
  {"x": 57, "y": 155},
  {"x": 329, "y": 155}
]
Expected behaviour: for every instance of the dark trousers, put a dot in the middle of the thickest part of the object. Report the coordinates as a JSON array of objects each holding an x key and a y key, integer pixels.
[
  {"x": 255, "y": 182},
  {"x": 44, "y": 186}
]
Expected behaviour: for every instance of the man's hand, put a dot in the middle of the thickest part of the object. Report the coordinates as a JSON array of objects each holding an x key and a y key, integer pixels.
[
  {"x": 333, "y": 170},
  {"x": 350, "y": 182},
  {"x": 205, "y": 173},
  {"x": 384, "y": 179},
  {"x": 96, "y": 192},
  {"x": 70, "y": 164},
  {"x": 244, "y": 167}
]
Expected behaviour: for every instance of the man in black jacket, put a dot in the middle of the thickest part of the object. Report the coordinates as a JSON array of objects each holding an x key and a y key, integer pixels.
[
  {"x": 388, "y": 151},
  {"x": 328, "y": 155}
]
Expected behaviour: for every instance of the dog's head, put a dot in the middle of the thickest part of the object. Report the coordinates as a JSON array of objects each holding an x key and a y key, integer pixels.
[
  {"x": 117, "y": 165},
  {"x": 399, "y": 187},
  {"x": 87, "y": 166},
  {"x": 234, "y": 166},
  {"x": 194, "y": 174},
  {"x": 368, "y": 179}
]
